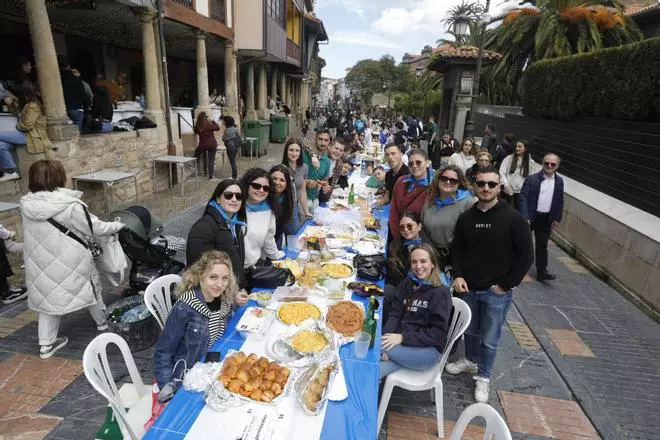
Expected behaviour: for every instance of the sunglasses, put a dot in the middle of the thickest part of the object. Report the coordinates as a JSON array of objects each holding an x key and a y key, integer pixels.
[
  {"x": 406, "y": 227},
  {"x": 417, "y": 163},
  {"x": 257, "y": 186},
  {"x": 230, "y": 195},
  {"x": 550, "y": 164},
  {"x": 449, "y": 180},
  {"x": 491, "y": 184}
]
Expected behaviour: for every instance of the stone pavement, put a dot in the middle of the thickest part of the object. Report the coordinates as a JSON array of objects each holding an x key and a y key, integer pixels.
[{"x": 576, "y": 361}]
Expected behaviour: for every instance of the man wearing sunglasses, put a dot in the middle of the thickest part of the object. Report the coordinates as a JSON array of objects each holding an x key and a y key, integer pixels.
[
  {"x": 542, "y": 204},
  {"x": 490, "y": 254}
]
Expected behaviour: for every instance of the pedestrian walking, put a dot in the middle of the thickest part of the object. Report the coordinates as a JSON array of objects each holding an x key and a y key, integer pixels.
[
  {"x": 59, "y": 250},
  {"x": 205, "y": 128},
  {"x": 491, "y": 253},
  {"x": 514, "y": 170},
  {"x": 232, "y": 140},
  {"x": 542, "y": 204}
]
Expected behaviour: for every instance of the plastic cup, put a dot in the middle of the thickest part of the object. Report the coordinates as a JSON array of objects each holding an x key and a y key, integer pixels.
[
  {"x": 292, "y": 243},
  {"x": 361, "y": 344}
]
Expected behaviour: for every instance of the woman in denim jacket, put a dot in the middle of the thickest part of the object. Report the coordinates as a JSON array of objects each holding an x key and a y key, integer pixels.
[{"x": 206, "y": 300}]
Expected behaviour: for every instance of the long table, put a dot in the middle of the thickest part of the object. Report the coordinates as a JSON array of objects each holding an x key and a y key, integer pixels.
[{"x": 352, "y": 418}]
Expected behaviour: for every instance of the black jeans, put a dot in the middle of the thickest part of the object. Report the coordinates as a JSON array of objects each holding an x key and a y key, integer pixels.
[
  {"x": 209, "y": 155},
  {"x": 231, "y": 154},
  {"x": 542, "y": 226}
]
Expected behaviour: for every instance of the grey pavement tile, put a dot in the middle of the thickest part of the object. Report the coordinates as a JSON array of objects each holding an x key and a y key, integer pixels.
[
  {"x": 70, "y": 429},
  {"x": 77, "y": 401}
]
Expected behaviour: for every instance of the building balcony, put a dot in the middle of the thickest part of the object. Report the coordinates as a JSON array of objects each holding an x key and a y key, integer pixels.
[
  {"x": 292, "y": 50},
  {"x": 217, "y": 9}
]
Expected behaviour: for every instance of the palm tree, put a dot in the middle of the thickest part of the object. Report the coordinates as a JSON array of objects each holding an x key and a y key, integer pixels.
[{"x": 555, "y": 28}]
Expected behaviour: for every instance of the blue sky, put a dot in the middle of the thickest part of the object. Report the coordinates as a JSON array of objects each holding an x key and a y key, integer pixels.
[{"x": 360, "y": 29}]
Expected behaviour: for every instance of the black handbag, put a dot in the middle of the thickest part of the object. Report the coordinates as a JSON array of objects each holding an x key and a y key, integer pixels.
[
  {"x": 370, "y": 267},
  {"x": 268, "y": 277}
]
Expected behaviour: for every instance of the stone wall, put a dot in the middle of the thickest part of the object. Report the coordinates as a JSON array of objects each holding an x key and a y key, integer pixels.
[
  {"x": 617, "y": 241},
  {"x": 131, "y": 151}
]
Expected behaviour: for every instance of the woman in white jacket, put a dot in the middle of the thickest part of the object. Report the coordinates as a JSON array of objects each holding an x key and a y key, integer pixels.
[
  {"x": 60, "y": 274},
  {"x": 465, "y": 158},
  {"x": 261, "y": 222},
  {"x": 514, "y": 170}
]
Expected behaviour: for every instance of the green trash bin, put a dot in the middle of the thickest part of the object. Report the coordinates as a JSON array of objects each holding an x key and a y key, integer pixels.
[
  {"x": 252, "y": 129},
  {"x": 279, "y": 130},
  {"x": 264, "y": 138}
]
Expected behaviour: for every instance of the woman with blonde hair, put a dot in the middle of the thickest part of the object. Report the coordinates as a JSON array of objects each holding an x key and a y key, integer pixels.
[
  {"x": 415, "y": 331},
  {"x": 205, "y": 301}
]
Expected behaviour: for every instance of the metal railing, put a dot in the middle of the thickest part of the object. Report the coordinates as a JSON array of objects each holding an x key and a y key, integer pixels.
[{"x": 218, "y": 10}]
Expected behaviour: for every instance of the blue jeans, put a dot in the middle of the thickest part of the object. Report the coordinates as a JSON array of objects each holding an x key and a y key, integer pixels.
[
  {"x": 415, "y": 358},
  {"x": 294, "y": 225},
  {"x": 9, "y": 140},
  {"x": 482, "y": 335},
  {"x": 77, "y": 116}
]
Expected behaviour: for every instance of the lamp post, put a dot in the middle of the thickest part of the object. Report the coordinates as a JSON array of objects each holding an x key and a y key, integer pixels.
[{"x": 469, "y": 126}]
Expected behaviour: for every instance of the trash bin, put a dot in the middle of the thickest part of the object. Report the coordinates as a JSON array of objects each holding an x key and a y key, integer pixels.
[
  {"x": 264, "y": 138},
  {"x": 279, "y": 130},
  {"x": 141, "y": 332},
  {"x": 251, "y": 128}
]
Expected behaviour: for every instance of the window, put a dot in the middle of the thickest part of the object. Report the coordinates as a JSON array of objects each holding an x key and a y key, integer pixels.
[{"x": 277, "y": 11}]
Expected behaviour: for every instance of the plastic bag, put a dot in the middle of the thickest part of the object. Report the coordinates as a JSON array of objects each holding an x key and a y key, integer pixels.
[{"x": 112, "y": 262}]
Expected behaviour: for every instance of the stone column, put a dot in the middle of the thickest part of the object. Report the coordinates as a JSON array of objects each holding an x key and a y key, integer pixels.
[
  {"x": 251, "y": 114},
  {"x": 262, "y": 105},
  {"x": 203, "y": 101},
  {"x": 273, "y": 83},
  {"x": 161, "y": 82},
  {"x": 231, "y": 84},
  {"x": 283, "y": 86},
  {"x": 50, "y": 83},
  {"x": 152, "y": 94}
]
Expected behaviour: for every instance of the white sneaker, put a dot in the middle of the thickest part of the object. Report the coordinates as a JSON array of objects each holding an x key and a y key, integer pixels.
[
  {"x": 47, "y": 351},
  {"x": 461, "y": 366},
  {"x": 481, "y": 387},
  {"x": 102, "y": 327},
  {"x": 9, "y": 176}
]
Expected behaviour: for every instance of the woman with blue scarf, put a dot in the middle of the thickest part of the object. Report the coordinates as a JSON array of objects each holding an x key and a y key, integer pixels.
[
  {"x": 415, "y": 332},
  {"x": 447, "y": 198},
  {"x": 222, "y": 227},
  {"x": 261, "y": 221},
  {"x": 409, "y": 191}
]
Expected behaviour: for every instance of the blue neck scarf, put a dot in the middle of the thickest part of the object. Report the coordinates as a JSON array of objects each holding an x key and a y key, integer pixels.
[
  {"x": 231, "y": 221},
  {"x": 424, "y": 181},
  {"x": 418, "y": 281},
  {"x": 412, "y": 242},
  {"x": 460, "y": 195},
  {"x": 258, "y": 207}
]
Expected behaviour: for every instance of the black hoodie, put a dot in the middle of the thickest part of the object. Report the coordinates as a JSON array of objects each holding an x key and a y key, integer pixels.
[
  {"x": 492, "y": 247},
  {"x": 421, "y": 315}
]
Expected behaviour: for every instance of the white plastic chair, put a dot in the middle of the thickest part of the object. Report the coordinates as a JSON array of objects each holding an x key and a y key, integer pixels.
[
  {"x": 495, "y": 424},
  {"x": 158, "y": 297},
  {"x": 132, "y": 403},
  {"x": 413, "y": 380}
]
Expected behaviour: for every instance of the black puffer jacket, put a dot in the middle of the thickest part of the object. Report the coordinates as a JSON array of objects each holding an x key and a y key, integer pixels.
[
  {"x": 211, "y": 232},
  {"x": 74, "y": 92}
]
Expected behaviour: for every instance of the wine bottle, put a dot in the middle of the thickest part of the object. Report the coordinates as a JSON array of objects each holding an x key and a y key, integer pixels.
[
  {"x": 351, "y": 195},
  {"x": 370, "y": 322}
]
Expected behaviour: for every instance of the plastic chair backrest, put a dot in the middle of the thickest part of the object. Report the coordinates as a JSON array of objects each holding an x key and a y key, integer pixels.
[
  {"x": 495, "y": 424},
  {"x": 158, "y": 297},
  {"x": 459, "y": 323},
  {"x": 98, "y": 374}
]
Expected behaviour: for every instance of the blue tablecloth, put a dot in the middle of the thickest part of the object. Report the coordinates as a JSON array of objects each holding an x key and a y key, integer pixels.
[{"x": 350, "y": 419}]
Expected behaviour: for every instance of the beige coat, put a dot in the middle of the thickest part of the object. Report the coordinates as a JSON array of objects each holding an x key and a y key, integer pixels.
[{"x": 33, "y": 123}]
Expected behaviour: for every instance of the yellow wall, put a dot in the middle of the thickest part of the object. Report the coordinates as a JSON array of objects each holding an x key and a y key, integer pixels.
[{"x": 293, "y": 20}]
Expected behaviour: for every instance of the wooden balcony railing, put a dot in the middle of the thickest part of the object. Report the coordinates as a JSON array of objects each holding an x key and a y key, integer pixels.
[
  {"x": 184, "y": 3},
  {"x": 292, "y": 50},
  {"x": 218, "y": 10}
]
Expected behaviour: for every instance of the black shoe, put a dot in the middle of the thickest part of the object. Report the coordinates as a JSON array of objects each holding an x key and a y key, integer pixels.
[
  {"x": 546, "y": 277},
  {"x": 14, "y": 294}
]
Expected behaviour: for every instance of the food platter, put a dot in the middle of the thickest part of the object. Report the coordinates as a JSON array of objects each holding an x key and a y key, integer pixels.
[
  {"x": 296, "y": 312},
  {"x": 345, "y": 318},
  {"x": 309, "y": 341},
  {"x": 334, "y": 269}
]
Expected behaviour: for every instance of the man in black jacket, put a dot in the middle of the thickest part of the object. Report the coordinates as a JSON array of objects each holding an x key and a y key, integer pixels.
[
  {"x": 542, "y": 205},
  {"x": 491, "y": 253},
  {"x": 75, "y": 98}
]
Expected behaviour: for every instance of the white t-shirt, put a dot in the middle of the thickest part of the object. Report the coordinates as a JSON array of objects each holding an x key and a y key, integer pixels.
[{"x": 545, "y": 194}]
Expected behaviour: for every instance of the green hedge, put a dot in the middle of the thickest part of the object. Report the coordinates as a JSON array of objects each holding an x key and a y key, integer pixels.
[{"x": 616, "y": 83}]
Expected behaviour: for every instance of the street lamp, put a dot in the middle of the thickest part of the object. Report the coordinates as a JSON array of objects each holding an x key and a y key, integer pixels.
[
  {"x": 461, "y": 26},
  {"x": 485, "y": 19}
]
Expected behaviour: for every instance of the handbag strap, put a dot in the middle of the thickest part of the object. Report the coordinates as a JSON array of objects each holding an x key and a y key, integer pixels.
[
  {"x": 63, "y": 229},
  {"x": 89, "y": 220}
]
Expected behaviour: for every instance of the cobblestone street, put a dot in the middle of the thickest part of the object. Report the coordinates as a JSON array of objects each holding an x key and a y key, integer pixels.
[{"x": 576, "y": 360}]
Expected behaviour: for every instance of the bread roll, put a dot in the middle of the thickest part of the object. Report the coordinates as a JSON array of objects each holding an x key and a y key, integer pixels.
[{"x": 243, "y": 375}]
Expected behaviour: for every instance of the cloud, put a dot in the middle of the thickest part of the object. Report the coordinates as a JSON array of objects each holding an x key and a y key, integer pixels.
[
  {"x": 361, "y": 39},
  {"x": 425, "y": 18}
]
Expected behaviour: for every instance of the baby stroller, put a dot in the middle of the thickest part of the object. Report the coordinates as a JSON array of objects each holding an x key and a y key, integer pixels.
[{"x": 151, "y": 254}]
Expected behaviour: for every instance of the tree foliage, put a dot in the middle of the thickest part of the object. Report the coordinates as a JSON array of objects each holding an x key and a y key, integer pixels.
[
  {"x": 367, "y": 77},
  {"x": 423, "y": 96}
]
